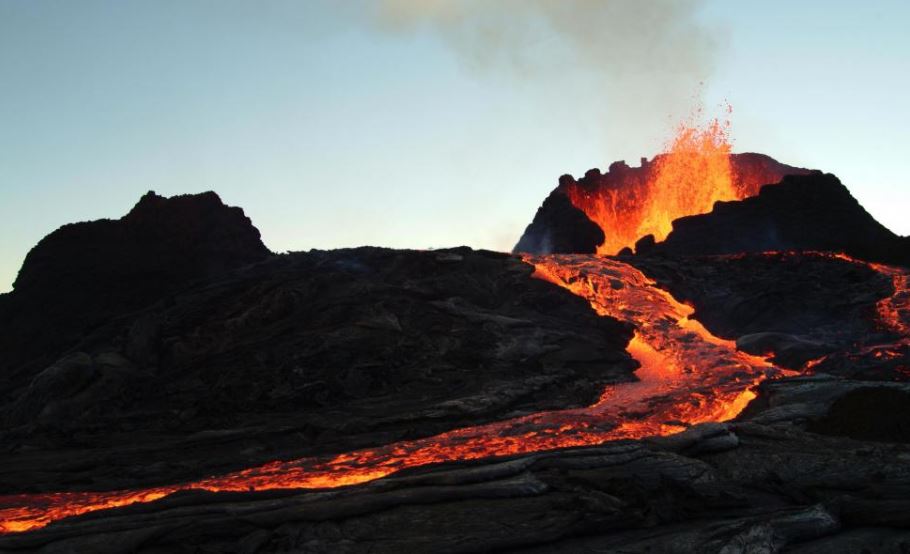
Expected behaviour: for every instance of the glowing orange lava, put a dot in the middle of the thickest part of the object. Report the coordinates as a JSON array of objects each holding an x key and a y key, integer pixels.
[
  {"x": 687, "y": 376},
  {"x": 893, "y": 315},
  {"x": 894, "y": 311},
  {"x": 696, "y": 170}
]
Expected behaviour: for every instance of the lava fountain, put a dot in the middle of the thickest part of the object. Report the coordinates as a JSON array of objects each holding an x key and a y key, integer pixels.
[
  {"x": 696, "y": 170},
  {"x": 687, "y": 376}
]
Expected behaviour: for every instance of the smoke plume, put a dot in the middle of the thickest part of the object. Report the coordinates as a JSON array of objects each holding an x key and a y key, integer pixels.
[{"x": 642, "y": 61}]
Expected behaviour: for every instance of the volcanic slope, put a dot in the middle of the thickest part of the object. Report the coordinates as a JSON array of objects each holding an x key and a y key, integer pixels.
[
  {"x": 711, "y": 488},
  {"x": 809, "y": 465},
  {"x": 287, "y": 356}
]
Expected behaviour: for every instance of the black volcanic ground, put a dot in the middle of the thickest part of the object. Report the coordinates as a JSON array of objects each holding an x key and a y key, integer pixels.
[{"x": 171, "y": 344}]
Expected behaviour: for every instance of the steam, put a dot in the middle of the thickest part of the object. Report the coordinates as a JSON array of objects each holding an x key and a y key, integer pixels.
[{"x": 641, "y": 61}]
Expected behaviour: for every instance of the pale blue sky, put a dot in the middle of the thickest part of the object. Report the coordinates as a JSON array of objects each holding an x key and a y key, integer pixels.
[{"x": 332, "y": 130}]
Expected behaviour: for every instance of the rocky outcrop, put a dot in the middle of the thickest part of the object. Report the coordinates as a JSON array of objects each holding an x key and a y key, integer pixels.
[
  {"x": 83, "y": 274},
  {"x": 560, "y": 228},
  {"x": 802, "y": 212},
  {"x": 161, "y": 243},
  {"x": 876, "y": 413}
]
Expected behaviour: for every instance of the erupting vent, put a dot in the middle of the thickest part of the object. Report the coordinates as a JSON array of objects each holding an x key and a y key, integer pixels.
[{"x": 696, "y": 171}]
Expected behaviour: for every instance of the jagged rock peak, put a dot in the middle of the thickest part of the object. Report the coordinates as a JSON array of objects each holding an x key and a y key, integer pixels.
[
  {"x": 177, "y": 238},
  {"x": 152, "y": 201}
]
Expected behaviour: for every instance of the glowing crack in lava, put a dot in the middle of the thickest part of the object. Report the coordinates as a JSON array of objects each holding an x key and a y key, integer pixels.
[
  {"x": 687, "y": 376},
  {"x": 893, "y": 314},
  {"x": 894, "y": 311},
  {"x": 696, "y": 170}
]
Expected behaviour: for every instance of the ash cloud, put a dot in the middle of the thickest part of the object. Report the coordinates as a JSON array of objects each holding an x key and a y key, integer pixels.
[{"x": 638, "y": 62}]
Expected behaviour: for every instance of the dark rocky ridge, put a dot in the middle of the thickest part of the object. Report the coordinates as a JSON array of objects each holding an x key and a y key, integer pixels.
[
  {"x": 559, "y": 227},
  {"x": 802, "y": 212},
  {"x": 82, "y": 274},
  {"x": 161, "y": 243}
]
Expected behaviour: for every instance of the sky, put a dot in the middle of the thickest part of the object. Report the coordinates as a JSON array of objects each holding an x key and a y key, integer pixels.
[{"x": 429, "y": 123}]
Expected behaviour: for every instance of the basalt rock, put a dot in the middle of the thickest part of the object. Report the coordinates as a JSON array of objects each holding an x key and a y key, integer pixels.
[
  {"x": 82, "y": 274},
  {"x": 159, "y": 243},
  {"x": 802, "y": 212},
  {"x": 560, "y": 228},
  {"x": 869, "y": 413}
]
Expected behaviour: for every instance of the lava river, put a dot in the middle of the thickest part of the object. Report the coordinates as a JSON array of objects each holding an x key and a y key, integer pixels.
[{"x": 687, "y": 376}]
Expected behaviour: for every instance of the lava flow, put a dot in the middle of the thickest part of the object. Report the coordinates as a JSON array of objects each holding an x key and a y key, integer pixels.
[
  {"x": 687, "y": 376},
  {"x": 696, "y": 171},
  {"x": 893, "y": 316},
  {"x": 894, "y": 311}
]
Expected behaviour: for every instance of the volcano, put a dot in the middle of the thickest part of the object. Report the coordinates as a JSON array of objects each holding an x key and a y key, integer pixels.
[
  {"x": 709, "y": 352},
  {"x": 626, "y": 204}
]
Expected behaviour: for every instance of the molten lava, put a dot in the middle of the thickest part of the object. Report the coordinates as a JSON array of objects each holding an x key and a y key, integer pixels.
[
  {"x": 696, "y": 171},
  {"x": 688, "y": 179},
  {"x": 893, "y": 316},
  {"x": 687, "y": 376},
  {"x": 894, "y": 311}
]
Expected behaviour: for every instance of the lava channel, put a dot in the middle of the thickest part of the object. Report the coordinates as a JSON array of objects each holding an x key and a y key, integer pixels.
[{"x": 687, "y": 376}]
